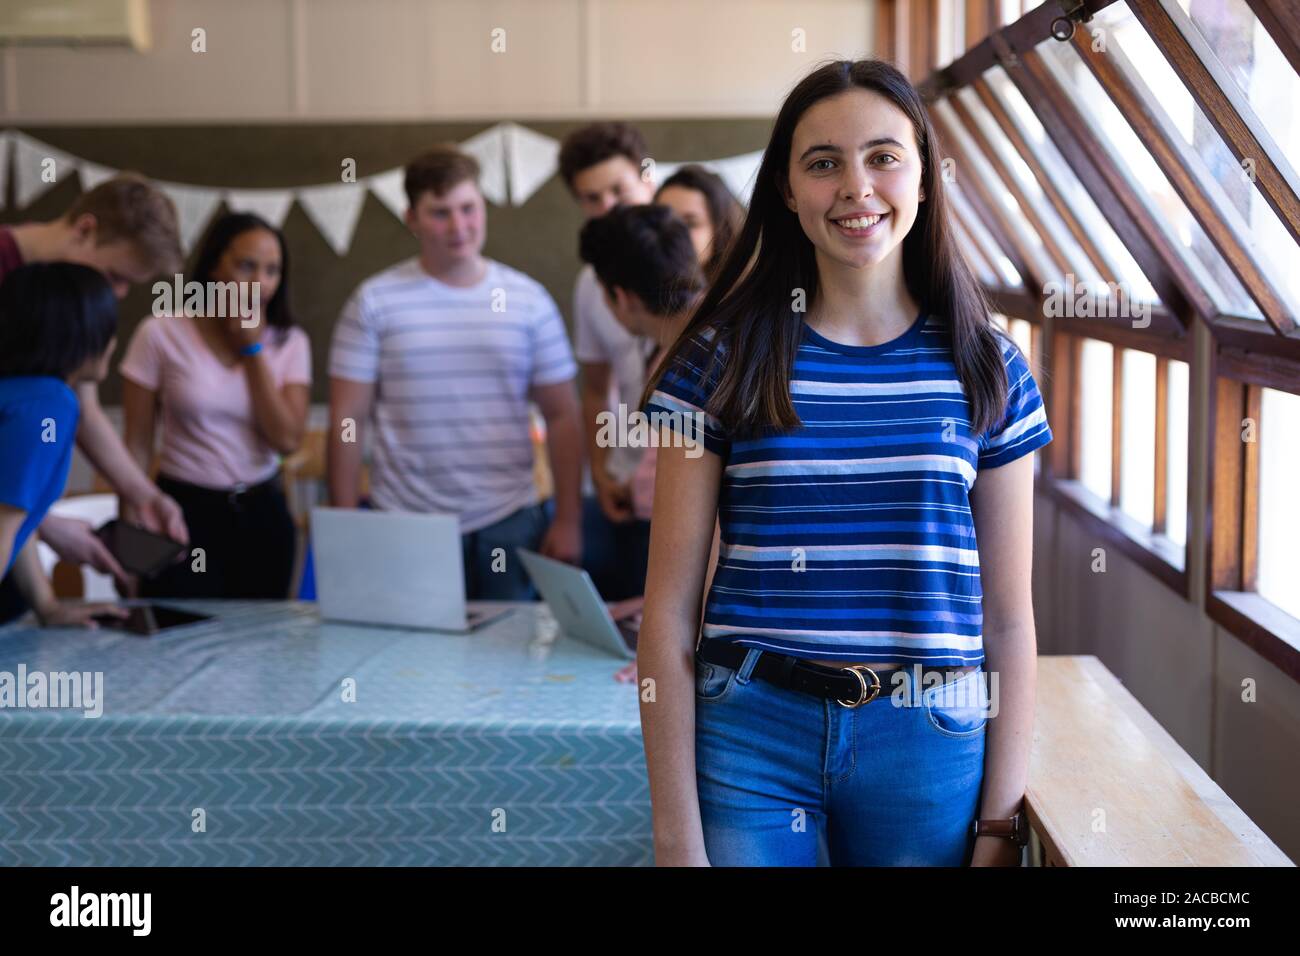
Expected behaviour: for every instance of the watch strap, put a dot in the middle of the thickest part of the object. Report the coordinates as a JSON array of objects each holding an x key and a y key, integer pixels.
[{"x": 1009, "y": 829}]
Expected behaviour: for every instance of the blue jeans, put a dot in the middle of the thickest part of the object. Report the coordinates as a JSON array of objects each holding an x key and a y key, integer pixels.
[
  {"x": 616, "y": 555},
  {"x": 506, "y": 580},
  {"x": 790, "y": 779}
]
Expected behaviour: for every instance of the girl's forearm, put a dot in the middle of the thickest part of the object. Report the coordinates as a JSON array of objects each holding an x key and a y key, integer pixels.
[
  {"x": 1011, "y": 657},
  {"x": 277, "y": 421},
  {"x": 667, "y": 691}
]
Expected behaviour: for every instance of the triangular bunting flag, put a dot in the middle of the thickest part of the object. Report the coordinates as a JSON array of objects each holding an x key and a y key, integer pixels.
[
  {"x": 390, "y": 189},
  {"x": 335, "y": 210},
  {"x": 37, "y": 167},
  {"x": 194, "y": 207},
  {"x": 664, "y": 170},
  {"x": 532, "y": 160},
  {"x": 92, "y": 174},
  {"x": 271, "y": 204},
  {"x": 5, "y": 138},
  {"x": 739, "y": 172},
  {"x": 488, "y": 147}
]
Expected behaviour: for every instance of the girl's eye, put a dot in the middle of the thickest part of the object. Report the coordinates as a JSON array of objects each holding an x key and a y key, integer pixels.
[
  {"x": 819, "y": 162},
  {"x": 888, "y": 156}
]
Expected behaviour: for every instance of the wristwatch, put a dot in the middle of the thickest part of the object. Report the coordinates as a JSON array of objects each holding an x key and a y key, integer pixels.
[{"x": 1015, "y": 829}]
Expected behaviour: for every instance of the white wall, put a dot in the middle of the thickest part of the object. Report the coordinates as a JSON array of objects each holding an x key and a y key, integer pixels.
[{"x": 342, "y": 60}]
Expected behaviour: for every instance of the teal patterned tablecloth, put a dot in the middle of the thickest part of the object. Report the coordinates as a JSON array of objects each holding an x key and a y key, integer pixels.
[{"x": 231, "y": 743}]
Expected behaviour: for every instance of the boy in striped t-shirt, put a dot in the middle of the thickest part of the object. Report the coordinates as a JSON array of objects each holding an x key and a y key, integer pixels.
[{"x": 446, "y": 350}]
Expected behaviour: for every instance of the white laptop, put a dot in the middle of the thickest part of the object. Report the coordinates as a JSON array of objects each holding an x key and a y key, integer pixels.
[
  {"x": 577, "y": 605},
  {"x": 392, "y": 568}
]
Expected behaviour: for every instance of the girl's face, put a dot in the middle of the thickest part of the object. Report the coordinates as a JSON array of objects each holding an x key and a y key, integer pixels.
[
  {"x": 855, "y": 177},
  {"x": 692, "y": 209},
  {"x": 252, "y": 256}
]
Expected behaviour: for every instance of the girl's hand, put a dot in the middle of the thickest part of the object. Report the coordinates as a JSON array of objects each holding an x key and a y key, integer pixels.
[
  {"x": 629, "y": 607},
  {"x": 238, "y": 336},
  {"x": 626, "y": 675},
  {"x": 62, "y": 614},
  {"x": 995, "y": 851}
]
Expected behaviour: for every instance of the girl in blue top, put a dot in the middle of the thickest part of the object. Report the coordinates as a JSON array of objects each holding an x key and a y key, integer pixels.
[
  {"x": 865, "y": 434},
  {"x": 57, "y": 330}
]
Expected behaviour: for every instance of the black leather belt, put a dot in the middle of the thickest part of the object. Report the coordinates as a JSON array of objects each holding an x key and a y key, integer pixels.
[
  {"x": 848, "y": 686},
  {"x": 233, "y": 497}
]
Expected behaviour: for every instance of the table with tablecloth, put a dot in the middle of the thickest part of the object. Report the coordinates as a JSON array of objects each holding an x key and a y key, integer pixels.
[{"x": 269, "y": 737}]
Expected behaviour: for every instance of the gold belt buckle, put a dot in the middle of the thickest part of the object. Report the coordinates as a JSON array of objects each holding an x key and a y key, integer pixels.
[{"x": 863, "y": 697}]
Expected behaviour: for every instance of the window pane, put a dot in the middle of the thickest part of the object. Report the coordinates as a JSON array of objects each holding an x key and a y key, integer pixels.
[
  {"x": 1138, "y": 438},
  {"x": 1279, "y": 505},
  {"x": 1095, "y": 376},
  {"x": 1011, "y": 160},
  {"x": 974, "y": 255},
  {"x": 1176, "y": 475},
  {"x": 1120, "y": 264},
  {"x": 1021, "y": 332},
  {"x": 983, "y": 172},
  {"x": 1257, "y": 67},
  {"x": 1239, "y": 202},
  {"x": 1010, "y": 276},
  {"x": 1146, "y": 180}
]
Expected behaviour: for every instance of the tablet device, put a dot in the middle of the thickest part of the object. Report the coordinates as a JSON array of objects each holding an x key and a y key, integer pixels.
[
  {"x": 146, "y": 619},
  {"x": 137, "y": 550}
]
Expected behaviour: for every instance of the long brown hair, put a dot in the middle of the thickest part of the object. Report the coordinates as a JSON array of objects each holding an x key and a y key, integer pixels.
[{"x": 750, "y": 300}]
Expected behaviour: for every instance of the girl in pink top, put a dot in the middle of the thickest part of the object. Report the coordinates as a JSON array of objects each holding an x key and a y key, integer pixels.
[{"x": 232, "y": 400}]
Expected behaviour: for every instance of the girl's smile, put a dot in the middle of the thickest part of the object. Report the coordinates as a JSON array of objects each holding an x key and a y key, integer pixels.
[{"x": 861, "y": 226}]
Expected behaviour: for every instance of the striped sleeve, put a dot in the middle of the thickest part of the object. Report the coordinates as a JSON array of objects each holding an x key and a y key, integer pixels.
[
  {"x": 1024, "y": 426},
  {"x": 354, "y": 351},
  {"x": 682, "y": 392},
  {"x": 552, "y": 357}
]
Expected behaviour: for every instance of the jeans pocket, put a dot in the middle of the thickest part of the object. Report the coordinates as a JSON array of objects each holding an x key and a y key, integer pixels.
[
  {"x": 713, "y": 682},
  {"x": 959, "y": 708}
]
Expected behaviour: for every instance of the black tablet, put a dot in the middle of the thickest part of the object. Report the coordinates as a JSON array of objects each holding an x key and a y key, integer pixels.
[
  {"x": 146, "y": 619},
  {"x": 137, "y": 550}
]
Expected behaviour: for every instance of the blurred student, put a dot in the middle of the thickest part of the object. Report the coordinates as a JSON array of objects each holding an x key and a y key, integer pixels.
[
  {"x": 704, "y": 203},
  {"x": 57, "y": 331},
  {"x": 647, "y": 266},
  {"x": 446, "y": 350},
  {"x": 602, "y": 166},
  {"x": 232, "y": 392},
  {"x": 126, "y": 229}
]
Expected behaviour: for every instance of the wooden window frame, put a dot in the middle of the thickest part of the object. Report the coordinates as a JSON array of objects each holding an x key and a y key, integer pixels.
[
  {"x": 1193, "y": 184},
  {"x": 1033, "y": 212},
  {"x": 1232, "y": 533},
  {"x": 983, "y": 197},
  {"x": 1148, "y": 547},
  {"x": 1030, "y": 154},
  {"x": 1246, "y": 354}
]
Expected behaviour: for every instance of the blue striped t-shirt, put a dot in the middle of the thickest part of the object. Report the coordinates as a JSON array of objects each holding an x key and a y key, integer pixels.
[{"x": 851, "y": 536}]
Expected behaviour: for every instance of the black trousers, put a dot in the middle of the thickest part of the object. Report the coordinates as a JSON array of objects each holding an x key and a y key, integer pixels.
[
  {"x": 12, "y": 603},
  {"x": 248, "y": 542}
]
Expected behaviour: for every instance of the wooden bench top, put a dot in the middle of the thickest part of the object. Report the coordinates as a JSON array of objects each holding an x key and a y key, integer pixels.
[{"x": 1095, "y": 750}]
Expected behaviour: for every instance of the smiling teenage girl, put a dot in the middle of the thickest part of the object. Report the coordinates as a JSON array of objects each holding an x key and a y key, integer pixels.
[{"x": 858, "y": 452}]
